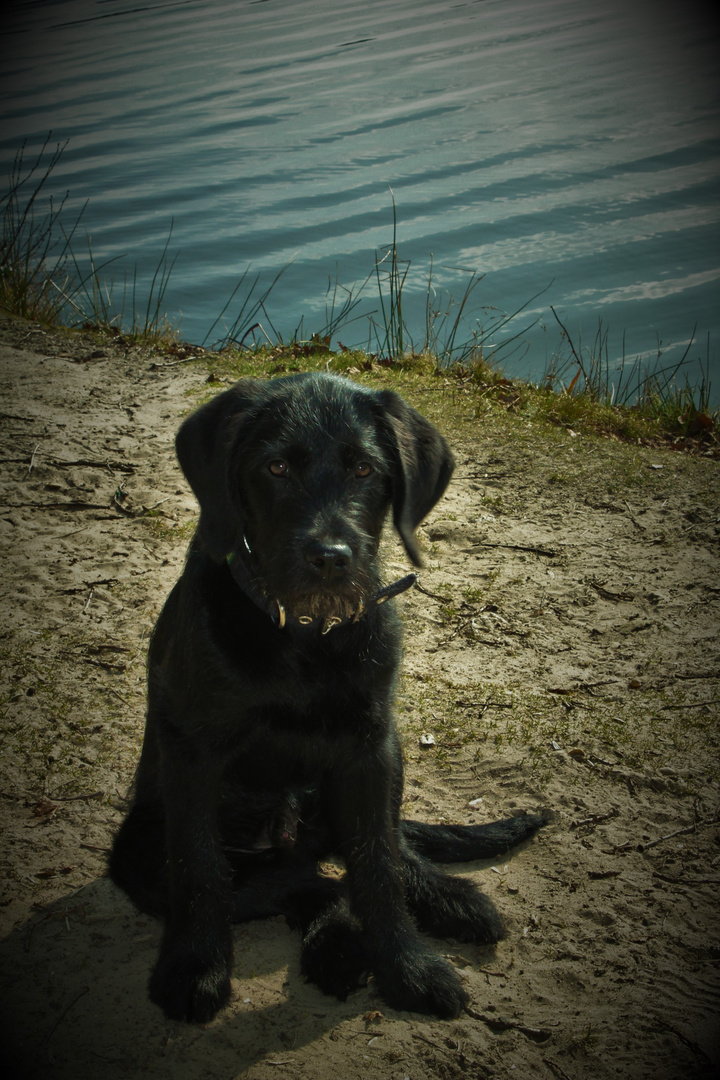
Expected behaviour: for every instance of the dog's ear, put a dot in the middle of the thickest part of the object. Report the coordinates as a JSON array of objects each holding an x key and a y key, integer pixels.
[
  {"x": 423, "y": 464},
  {"x": 204, "y": 448}
]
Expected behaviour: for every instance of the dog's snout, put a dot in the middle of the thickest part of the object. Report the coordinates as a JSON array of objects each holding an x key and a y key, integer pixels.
[{"x": 332, "y": 560}]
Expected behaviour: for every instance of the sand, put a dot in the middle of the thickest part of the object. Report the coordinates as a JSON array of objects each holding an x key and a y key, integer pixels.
[{"x": 562, "y": 651}]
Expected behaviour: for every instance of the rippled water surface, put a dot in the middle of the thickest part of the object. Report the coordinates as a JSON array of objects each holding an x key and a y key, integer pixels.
[{"x": 569, "y": 146}]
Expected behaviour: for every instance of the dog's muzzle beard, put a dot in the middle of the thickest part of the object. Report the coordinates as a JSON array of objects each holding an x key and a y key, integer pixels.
[
  {"x": 327, "y": 604},
  {"x": 311, "y": 585},
  {"x": 306, "y": 607},
  {"x": 308, "y": 595}
]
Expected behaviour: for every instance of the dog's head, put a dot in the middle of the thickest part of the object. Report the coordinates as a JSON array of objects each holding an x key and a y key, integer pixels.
[{"x": 296, "y": 476}]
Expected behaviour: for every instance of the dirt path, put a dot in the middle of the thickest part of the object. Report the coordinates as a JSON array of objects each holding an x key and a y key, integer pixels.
[{"x": 562, "y": 651}]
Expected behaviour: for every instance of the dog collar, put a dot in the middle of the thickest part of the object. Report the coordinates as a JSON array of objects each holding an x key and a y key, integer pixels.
[{"x": 275, "y": 610}]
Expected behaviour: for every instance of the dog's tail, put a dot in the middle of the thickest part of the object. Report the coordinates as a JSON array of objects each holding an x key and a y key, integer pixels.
[{"x": 463, "y": 843}]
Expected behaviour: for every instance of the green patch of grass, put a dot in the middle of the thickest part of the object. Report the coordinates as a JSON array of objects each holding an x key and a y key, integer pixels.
[
  {"x": 59, "y": 717},
  {"x": 163, "y": 529},
  {"x": 494, "y": 502},
  {"x": 643, "y": 734},
  {"x": 634, "y": 399}
]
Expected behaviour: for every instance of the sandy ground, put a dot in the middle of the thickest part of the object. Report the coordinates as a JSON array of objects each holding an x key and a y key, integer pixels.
[{"x": 562, "y": 651}]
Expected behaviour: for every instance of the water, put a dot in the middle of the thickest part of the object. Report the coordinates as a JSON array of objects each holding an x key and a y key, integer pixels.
[{"x": 570, "y": 146}]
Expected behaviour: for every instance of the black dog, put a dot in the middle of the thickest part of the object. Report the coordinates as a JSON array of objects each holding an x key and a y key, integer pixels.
[{"x": 270, "y": 740}]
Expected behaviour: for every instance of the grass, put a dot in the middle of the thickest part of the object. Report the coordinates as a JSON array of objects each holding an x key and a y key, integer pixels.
[
  {"x": 33, "y": 264},
  {"x": 95, "y": 301},
  {"x": 547, "y": 732},
  {"x": 43, "y": 278},
  {"x": 656, "y": 389}
]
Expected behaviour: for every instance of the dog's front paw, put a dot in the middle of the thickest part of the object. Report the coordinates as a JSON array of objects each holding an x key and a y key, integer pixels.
[
  {"x": 420, "y": 981},
  {"x": 334, "y": 956},
  {"x": 189, "y": 985}
]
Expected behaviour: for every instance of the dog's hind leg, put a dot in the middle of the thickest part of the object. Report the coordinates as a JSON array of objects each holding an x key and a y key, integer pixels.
[
  {"x": 287, "y": 886},
  {"x": 451, "y": 906},
  {"x": 333, "y": 952},
  {"x": 464, "y": 843},
  {"x": 409, "y": 975},
  {"x": 448, "y": 907},
  {"x": 334, "y": 955}
]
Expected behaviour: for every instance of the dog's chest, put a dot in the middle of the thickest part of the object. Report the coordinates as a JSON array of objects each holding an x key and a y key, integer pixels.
[{"x": 285, "y": 748}]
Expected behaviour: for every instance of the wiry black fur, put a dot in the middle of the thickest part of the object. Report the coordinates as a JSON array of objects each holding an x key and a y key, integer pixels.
[{"x": 267, "y": 749}]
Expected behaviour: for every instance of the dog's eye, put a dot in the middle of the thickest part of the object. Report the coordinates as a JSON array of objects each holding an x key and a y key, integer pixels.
[
  {"x": 278, "y": 467},
  {"x": 363, "y": 468}
]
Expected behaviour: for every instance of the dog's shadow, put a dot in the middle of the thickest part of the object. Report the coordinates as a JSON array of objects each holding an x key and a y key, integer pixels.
[
  {"x": 74, "y": 991},
  {"x": 73, "y": 984}
]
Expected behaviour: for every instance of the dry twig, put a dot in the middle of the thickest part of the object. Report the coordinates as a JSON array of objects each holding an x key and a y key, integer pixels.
[
  {"x": 32, "y": 459},
  {"x": 594, "y": 819},
  {"x": 678, "y": 832},
  {"x": 504, "y": 1023},
  {"x": 556, "y": 1069},
  {"x": 515, "y": 547},
  {"x": 607, "y": 595},
  {"x": 638, "y": 526},
  {"x": 63, "y": 1014}
]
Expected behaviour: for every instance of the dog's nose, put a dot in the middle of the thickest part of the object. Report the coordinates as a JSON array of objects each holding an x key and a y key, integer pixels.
[{"x": 329, "y": 559}]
